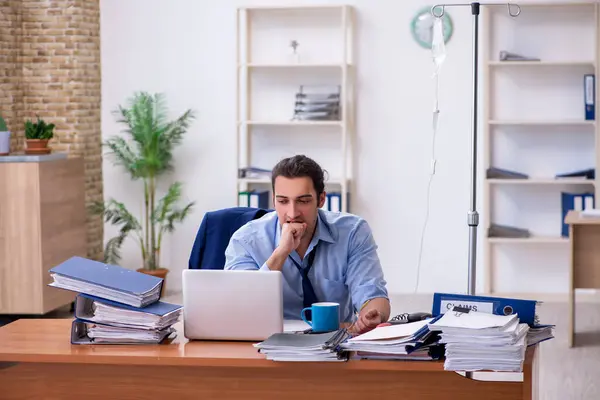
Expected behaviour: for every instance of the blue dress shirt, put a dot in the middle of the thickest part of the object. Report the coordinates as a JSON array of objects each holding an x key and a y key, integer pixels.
[{"x": 346, "y": 267}]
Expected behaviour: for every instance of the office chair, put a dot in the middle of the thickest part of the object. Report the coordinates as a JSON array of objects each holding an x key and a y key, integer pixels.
[{"x": 208, "y": 251}]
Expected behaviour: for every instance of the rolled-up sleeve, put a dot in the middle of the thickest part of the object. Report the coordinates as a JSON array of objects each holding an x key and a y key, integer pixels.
[
  {"x": 364, "y": 276},
  {"x": 238, "y": 255}
]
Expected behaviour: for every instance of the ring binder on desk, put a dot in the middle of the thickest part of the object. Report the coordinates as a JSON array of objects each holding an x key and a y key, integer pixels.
[
  {"x": 526, "y": 309},
  {"x": 156, "y": 316},
  {"x": 107, "y": 281},
  {"x": 85, "y": 332}
]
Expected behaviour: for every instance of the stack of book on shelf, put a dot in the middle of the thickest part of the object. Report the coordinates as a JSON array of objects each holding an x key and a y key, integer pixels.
[
  {"x": 506, "y": 231},
  {"x": 502, "y": 173},
  {"x": 320, "y": 103},
  {"x": 254, "y": 173},
  {"x": 510, "y": 56},
  {"x": 407, "y": 341},
  {"x": 115, "y": 305},
  {"x": 254, "y": 198},
  {"x": 333, "y": 201},
  {"x": 288, "y": 346}
]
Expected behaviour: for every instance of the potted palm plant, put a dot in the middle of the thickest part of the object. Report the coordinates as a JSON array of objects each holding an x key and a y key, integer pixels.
[
  {"x": 146, "y": 156},
  {"x": 37, "y": 136}
]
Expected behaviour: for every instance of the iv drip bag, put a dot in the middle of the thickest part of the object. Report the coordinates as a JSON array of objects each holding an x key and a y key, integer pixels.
[{"x": 438, "y": 47}]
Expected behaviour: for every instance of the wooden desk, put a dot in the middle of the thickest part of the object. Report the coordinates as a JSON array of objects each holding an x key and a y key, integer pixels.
[
  {"x": 48, "y": 367},
  {"x": 584, "y": 273}
]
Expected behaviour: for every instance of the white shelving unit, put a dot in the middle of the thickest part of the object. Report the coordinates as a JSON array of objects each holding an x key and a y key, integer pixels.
[
  {"x": 534, "y": 123},
  {"x": 268, "y": 77}
]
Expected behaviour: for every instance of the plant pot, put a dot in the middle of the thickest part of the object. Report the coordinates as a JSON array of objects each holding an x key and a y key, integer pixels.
[
  {"x": 4, "y": 143},
  {"x": 160, "y": 273},
  {"x": 37, "y": 146}
]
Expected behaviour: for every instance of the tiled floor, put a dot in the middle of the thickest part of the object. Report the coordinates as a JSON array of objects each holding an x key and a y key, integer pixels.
[{"x": 565, "y": 373}]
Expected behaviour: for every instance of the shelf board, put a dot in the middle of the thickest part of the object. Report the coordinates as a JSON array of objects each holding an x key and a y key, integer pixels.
[
  {"x": 254, "y": 180},
  {"x": 524, "y": 122},
  {"x": 542, "y": 63},
  {"x": 294, "y": 7},
  {"x": 529, "y": 240},
  {"x": 292, "y": 66},
  {"x": 541, "y": 181},
  {"x": 292, "y": 123},
  {"x": 268, "y": 181}
]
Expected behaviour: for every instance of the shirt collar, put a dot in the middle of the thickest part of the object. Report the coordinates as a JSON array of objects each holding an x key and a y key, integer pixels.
[{"x": 323, "y": 230}]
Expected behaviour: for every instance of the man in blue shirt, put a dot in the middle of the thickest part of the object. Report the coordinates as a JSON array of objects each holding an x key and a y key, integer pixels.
[{"x": 323, "y": 255}]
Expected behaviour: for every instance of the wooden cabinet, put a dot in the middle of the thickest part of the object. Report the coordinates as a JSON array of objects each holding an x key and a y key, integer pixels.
[
  {"x": 584, "y": 236},
  {"x": 42, "y": 223}
]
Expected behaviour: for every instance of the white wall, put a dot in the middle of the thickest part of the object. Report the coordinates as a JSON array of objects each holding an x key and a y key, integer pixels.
[{"x": 186, "y": 49}]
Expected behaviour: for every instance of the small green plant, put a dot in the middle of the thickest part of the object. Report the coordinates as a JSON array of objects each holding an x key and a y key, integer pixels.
[
  {"x": 3, "y": 127},
  {"x": 39, "y": 129}
]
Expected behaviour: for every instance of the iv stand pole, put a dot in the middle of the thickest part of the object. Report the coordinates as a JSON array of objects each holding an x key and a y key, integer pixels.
[{"x": 473, "y": 215}]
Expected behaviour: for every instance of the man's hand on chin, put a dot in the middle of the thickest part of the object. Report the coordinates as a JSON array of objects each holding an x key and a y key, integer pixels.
[{"x": 366, "y": 322}]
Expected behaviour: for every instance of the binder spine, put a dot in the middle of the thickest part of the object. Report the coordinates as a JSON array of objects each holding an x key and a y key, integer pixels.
[
  {"x": 590, "y": 96},
  {"x": 525, "y": 309},
  {"x": 575, "y": 202}
]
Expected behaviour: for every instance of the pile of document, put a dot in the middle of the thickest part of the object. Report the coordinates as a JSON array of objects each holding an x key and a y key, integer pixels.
[
  {"x": 509, "y": 56},
  {"x": 304, "y": 347},
  {"x": 539, "y": 333},
  {"x": 526, "y": 310},
  {"x": 478, "y": 341},
  {"x": 254, "y": 173},
  {"x": 115, "y": 305},
  {"x": 317, "y": 103},
  {"x": 408, "y": 341}
]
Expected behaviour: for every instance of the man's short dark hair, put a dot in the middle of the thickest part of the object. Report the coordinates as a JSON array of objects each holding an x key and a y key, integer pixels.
[{"x": 300, "y": 166}]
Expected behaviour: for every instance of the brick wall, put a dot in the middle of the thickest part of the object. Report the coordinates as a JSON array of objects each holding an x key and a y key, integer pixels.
[
  {"x": 51, "y": 67},
  {"x": 10, "y": 73}
]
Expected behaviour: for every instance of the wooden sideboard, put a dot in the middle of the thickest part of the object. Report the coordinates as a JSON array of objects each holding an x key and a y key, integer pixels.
[
  {"x": 42, "y": 223},
  {"x": 584, "y": 272}
]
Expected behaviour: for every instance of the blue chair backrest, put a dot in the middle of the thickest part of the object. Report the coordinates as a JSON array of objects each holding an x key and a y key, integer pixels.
[{"x": 215, "y": 232}]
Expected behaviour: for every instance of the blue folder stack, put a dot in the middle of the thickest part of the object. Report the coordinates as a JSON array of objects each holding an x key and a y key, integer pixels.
[{"x": 115, "y": 305}]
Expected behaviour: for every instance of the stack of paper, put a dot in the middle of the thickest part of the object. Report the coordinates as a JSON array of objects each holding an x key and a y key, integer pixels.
[
  {"x": 526, "y": 310},
  {"x": 89, "y": 332},
  {"x": 317, "y": 103},
  {"x": 410, "y": 341},
  {"x": 115, "y": 305},
  {"x": 304, "y": 347},
  {"x": 539, "y": 333},
  {"x": 156, "y": 316},
  {"x": 477, "y": 341}
]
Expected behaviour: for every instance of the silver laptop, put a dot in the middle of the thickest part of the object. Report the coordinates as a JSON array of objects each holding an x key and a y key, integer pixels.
[{"x": 232, "y": 305}]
